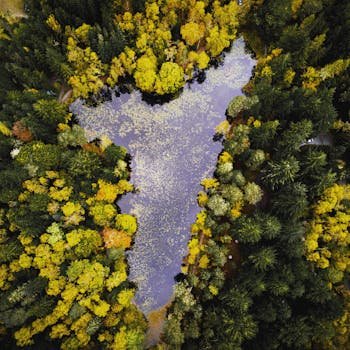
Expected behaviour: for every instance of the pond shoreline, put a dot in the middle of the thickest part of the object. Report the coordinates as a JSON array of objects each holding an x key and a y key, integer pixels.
[{"x": 172, "y": 150}]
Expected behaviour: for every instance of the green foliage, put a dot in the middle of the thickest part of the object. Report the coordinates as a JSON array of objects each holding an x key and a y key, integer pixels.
[
  {"x": 292, "y": 139},
  {"x": 248, "y": 230},
  {"x": 252, "y": 193},
  {"x": 10, "y": 251},
  {"x": 83, "y": 163},
  {"x": 10, "y": 182},
  {"x": 263, "y": 260},
  {"x": 256, "y": 159},
  {"x": 107, "y": 43},
  {"x": 291, "y": 201},
  {"x": 271, "y": 227},
  {"x": 281, "y": 172},
  {"x": 39, "y": 156},
  {"x": 50, "y": 111},
  {"x": 115, "y": 153},
  {"x": 247, "y": 283},
  {"x": 74, "y": 136},
  {"x": 270, "y": 282},
  {"x": 240, "y": 103},
  {"x": 64, "y": 281},
  {"x": 218, "y": 205}
]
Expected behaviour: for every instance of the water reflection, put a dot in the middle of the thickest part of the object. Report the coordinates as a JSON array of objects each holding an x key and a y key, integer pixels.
[{"x": 172, "y": 148}]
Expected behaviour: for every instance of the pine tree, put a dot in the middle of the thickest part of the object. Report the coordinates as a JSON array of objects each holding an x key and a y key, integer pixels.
[
  {"x": 279, "y": 173},
  {"x": 291, "y": 201}
]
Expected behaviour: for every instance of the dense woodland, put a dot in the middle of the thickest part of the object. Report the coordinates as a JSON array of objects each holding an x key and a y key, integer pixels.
[
  {"x": 286, "y": 286},
  {"x": 268, "y": 260}
]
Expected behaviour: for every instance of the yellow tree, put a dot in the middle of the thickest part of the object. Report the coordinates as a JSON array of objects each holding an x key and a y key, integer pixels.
[
  {"x": 146, "y": 71},
  {"x": 88, "y": 69},
  {"x": 192, "y": 32},
  {"x": 170, "y": 79},
  {"x": 217, "y": 41}
]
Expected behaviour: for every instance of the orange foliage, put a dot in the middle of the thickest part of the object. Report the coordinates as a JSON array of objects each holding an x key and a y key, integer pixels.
[
  {"x": 115, "y": 239},
  {"x": 21, "y": 132},
  {"x": 93, "y": 148}
]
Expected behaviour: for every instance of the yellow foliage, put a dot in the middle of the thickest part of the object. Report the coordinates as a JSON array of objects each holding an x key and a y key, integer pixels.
[
  {"x": 4, "y": 274},
  {"x": 70, "y": 208},
  {"x": 210, "y": 28},
  {"x": 25, "y": 240},
  {"x": 107, "y": 192},
  {"x": 152, "y": 11},
  {"x": 193, "y": 247},
  {"x": 59, "y": 331},
  {"x": 34, "y": 186},
  {"x": 5, "y": 130},
  {"x": 210, "y": 183},
  {"x": 53, "y": 208},
  {"x": 124, "y": 186},
  {"x": 25, "y": 261},
  {"x": 23, "y": 337},
  {"x": 257, "y": 123},
  {"x": 88, "y": 69},
  {"x": 213, "y": 290},
  {"x": 56, "y": 286},
  {"x": 105, "y": 142},
  {"x": 115, "y": 279},
  {"x": 170, "y": 78},
  {"x": 82, "y": 32},
  {"x": 60, "y": 195},
  {"x": 203, "y": 60},
  {"x": 120, "y": 340},
  {"x": 202, "y": 199},
  {"x": 236, "y": 210},
  {"x": 63, "y": 127},
  {"x": 127, "y": 59},
  {"x": 296, "y": 4},
  {"x": 53, "y": 24},
  {"x": 313, "y": 77},
  {"x": 192, "y": 32},
  {"x": 217, "y": 41},
  {"x": 331, "y": 199},
  {"x": 102, "y": 213},
  {"x": 145, "y": 75},
  {"x": 227, "y": 16},
  {"x": 266, "y": 72},
  {"x": 96, "y": 305},
  {"x": 52, "y": 174},
  {"x": 199, "y": 225},
  {"x": 223, "y": 127},
  {"x": 289, "y": 76},
  {"x": 59, "y": 183},
  {"x": 146, "y": 80},
  {"x": 225, "y": 157},
  {"x": 328, "y": 238},
  {"x": 203, "y": 261},
  {"x": 184, "y": 269},
  {"x": 116, "y": 70},
  {"x": 126, "y": 23},
  {"x": 201, "y": 216},
  {"x": 125, "y": 297},
  {"x": 126, "y": 223},
  {"x": 142, "y": 42}
]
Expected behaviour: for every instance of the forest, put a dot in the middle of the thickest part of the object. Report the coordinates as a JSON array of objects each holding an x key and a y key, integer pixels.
[{"x": 268, "y": 258}]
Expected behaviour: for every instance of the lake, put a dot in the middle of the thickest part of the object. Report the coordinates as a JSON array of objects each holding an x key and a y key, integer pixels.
[{"x": 172, "y": 150}]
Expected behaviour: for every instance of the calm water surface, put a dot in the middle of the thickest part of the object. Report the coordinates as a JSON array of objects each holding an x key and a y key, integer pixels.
[{"x": 172, "y": 150}]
